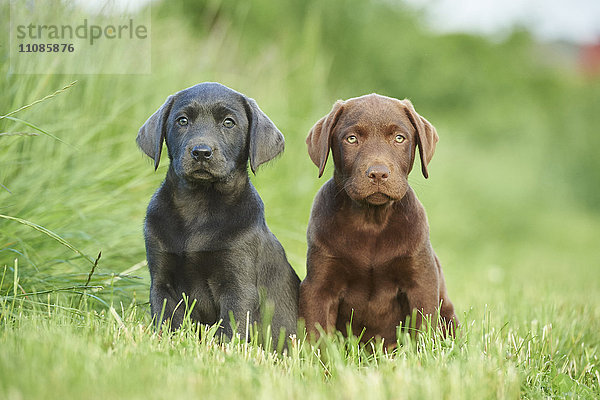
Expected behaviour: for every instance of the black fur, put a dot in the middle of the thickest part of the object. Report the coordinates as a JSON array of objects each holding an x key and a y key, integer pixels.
[{"x": 206, "y": 235}]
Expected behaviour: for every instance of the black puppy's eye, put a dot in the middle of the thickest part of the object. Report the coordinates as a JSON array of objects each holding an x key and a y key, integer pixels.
[
  {"x": 228, "y": 123},
  {"x": 183, "y": 121},
  {"x": 351, "y": 139},
  {"x": 399, "y": 138}
]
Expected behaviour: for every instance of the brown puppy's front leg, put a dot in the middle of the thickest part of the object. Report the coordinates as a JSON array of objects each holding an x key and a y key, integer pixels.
[
  {"x": 423, "y": 302},
  {"x": 317, "y": 307},
  {"x": 448, "y": 320},
  {"x": 319, "y": 295}
]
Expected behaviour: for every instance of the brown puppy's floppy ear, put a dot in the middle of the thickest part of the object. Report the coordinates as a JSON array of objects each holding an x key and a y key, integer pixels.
[
  {"x": 319, "y": 137},
  {"x": 426, "y": 136},
  {"x": 266, "y": 141},
  {"x": 151, "y": 135}
]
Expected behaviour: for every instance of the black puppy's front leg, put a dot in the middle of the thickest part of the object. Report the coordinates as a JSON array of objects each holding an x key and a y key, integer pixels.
[
  {"x": 243, "y": 305},
  {"x": 165, "y": 306},
  {"x": 165, "y": 303}
]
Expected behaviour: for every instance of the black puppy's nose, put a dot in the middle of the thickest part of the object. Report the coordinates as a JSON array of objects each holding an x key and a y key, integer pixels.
[
  {"x": 378, "y": 173},
  {"x": 202, "y": 152}
]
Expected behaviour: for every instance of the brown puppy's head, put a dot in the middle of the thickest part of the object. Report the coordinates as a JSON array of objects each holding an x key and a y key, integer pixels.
[{"x": 373, "y": 140}]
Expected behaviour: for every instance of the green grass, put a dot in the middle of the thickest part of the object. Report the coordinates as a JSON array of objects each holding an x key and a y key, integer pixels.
[
  {"x": 55, "y": 352},
  {"x": 511, "y": 200}
]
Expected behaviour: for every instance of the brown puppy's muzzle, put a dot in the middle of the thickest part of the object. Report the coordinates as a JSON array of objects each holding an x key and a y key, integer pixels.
[
  {"x": 375, "y": 183},
  {"x": 378, "y": 173}
]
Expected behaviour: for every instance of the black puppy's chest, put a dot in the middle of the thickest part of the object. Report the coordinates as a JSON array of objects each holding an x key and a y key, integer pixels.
[
  {"x": 203, "y": 273},
  {"x": 194, "y": 224},
  {"x": 200, "y": 275},
  {"x": 199, "y": 245}
]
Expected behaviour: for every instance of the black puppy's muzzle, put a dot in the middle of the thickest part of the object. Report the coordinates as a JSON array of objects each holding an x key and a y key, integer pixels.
[{"x": 202, "y": 152}]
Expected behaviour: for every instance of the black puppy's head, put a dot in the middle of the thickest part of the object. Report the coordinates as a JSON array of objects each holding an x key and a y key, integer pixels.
[{"x": 211, "y": 131}]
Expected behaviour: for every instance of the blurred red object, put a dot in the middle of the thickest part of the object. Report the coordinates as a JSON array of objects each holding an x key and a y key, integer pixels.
[{"x": 589, "y": 60}]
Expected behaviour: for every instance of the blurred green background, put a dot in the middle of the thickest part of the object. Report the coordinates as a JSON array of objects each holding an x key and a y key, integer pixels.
[{"x": 513, "y": 197}]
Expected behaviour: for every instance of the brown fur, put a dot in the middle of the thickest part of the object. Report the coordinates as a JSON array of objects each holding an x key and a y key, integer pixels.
[{"x": 369, "y": 257}]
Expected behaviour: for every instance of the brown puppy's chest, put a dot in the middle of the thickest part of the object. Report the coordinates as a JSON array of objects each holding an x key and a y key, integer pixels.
[
  {"x": 373, "y": 257},
  {"x": 372, "y": 295}
]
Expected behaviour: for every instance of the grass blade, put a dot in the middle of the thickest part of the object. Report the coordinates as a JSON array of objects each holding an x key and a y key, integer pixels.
[
  {"x": 90, "y": 276},
  {"x": 40, "y": 100},
  {"x": 18, "y": 134},
  {"x": 74, "y": 289},
  {"x": 50, "y": 234},
  {"x": 37, "y": 128}
]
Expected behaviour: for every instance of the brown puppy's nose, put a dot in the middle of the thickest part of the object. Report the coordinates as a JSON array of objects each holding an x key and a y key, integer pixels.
[{"x": 378, "y": 173}]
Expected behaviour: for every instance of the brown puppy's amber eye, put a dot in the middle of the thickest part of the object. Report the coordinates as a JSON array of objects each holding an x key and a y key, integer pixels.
[
  {"x": 351, "y": 139},
  {"x": 399, "y": 138},
  {"x": 228, "y": 123},
  {"x": 183, "y": 121}
]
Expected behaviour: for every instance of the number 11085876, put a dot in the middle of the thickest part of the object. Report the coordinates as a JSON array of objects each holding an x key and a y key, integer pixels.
[{"x": 46, "y": 48}]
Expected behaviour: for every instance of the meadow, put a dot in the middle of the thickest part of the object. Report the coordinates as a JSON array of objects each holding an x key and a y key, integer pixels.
[{"x": 513, "y": 201}]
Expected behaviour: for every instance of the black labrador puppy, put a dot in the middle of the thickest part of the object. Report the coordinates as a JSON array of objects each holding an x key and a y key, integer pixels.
[{"x": 205, "y": 230}]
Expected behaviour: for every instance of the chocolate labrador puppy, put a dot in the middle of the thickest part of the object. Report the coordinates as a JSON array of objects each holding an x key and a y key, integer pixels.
[
  {"x": 370, "y": 262},
  {"x": 205, "y": 230}
]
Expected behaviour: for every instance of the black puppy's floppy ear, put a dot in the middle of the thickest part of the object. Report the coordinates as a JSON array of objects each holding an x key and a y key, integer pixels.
[
  {"x": 266, "y": 141},
  {"x": 319, "y": 137},
  {"x": 151, "y": 135},
  {"x": 426, "y": 136}
]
